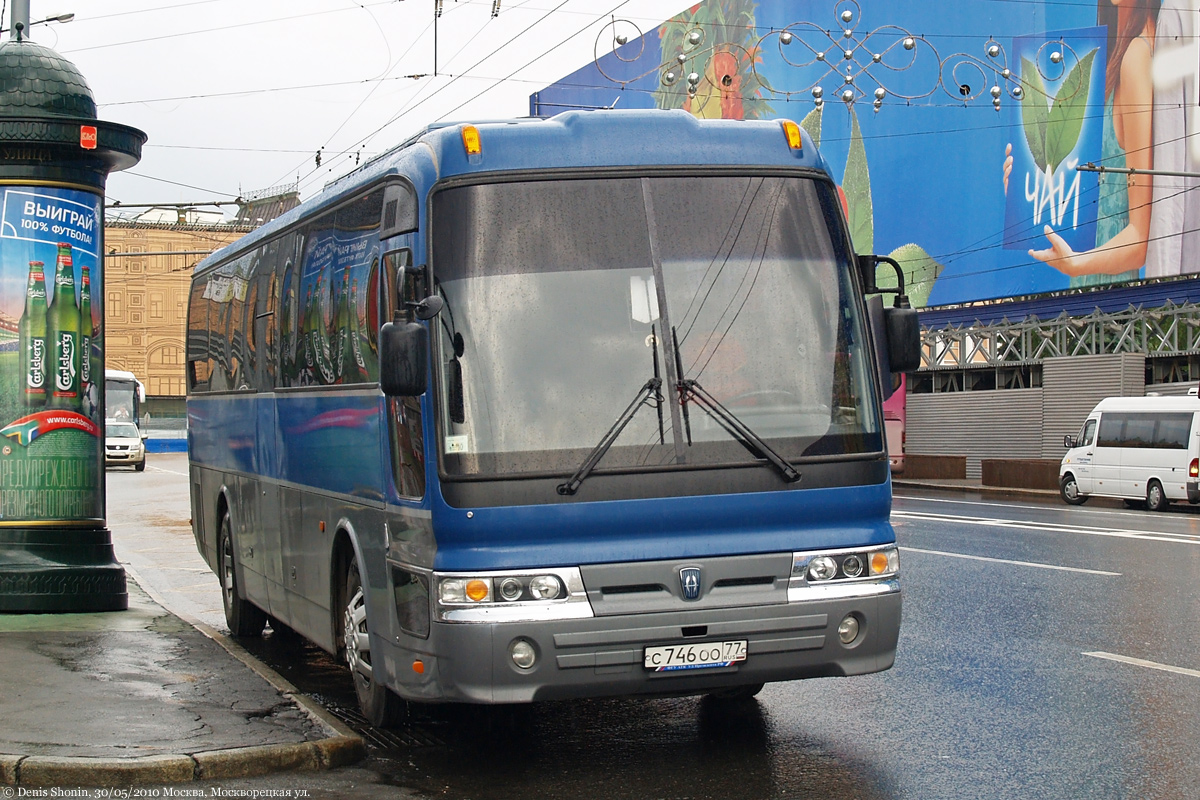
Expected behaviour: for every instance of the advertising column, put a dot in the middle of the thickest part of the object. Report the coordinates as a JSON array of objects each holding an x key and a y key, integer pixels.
[{"x": 56, "y": 552}]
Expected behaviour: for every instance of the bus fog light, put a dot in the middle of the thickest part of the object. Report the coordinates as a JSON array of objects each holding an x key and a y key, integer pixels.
[
  {"x": 848, "y": 630},
  {"x": 523, "y": 653},
  {"x": 511, "y": 589},
  {"x": 545, "y": 587},
  {"x": 822, "y": 568}
]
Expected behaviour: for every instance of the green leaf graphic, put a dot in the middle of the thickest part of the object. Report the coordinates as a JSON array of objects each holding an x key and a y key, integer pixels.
[
  {"x": 856, "y": 183},
  {"x": 1035, "y": 111},
  {"x": 920, "y": 271},
  {"x": 812, "y": 124},
  {"x": 1067, "y": 112}
]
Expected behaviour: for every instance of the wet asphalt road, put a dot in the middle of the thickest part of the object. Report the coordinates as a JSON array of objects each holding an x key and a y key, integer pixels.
[{"x": 1046, "y": 652}]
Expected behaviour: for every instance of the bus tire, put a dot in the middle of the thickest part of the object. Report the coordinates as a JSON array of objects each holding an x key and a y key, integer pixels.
[
  {"x": 378, "y": 704},
  {"x": 736, "y": 693},
  {"x": 1156, "y": 498},
  {"x": 1069, "y": 490},
  {"x": 243, "y": 617}
]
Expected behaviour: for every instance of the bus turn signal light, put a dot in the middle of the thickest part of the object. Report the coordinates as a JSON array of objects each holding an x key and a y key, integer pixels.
[
  {"x": 792, "y": 131},
  {"x": 477, "y": 590},
  {"x": 471, "y": 142}
]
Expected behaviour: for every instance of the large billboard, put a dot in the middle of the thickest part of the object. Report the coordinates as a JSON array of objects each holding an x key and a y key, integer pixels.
[{"x": 995, "y": 149}]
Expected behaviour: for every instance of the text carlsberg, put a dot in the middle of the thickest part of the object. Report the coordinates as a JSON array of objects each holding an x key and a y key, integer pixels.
[{"x": 63, "y": 322}]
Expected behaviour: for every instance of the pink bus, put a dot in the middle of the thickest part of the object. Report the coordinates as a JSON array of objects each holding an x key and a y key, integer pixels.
[{"x": 893, "y": 423}]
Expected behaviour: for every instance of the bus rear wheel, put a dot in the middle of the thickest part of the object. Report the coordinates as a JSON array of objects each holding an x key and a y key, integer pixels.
[
  {"x": 1069, "y": 490},
  {"x": 1156, "y": 498},
  {"x": 243, "y": 617},
  {"x": 379, "y": 705}
]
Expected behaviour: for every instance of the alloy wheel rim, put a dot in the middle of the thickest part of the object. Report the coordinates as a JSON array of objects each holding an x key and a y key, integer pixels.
[
  {"x": 358, "y": 645},
  {"x": 227, "y": 571}
]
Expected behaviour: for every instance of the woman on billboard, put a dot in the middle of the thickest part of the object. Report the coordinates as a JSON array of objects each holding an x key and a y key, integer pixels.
[{"x": 1123, "y": 217}]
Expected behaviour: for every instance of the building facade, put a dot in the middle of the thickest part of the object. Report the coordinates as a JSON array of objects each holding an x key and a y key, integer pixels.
[{"x": 148, "y": 272}]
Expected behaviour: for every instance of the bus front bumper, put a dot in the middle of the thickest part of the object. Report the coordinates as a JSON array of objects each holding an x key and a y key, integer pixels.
[{"x": 604, "y": 656}]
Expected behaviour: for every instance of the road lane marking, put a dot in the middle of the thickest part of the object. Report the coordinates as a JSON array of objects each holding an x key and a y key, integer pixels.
[
  {"x": 171, "y": 471},
  {"x": 1018, "y": 563},
  {"x": 1141, "y": 662},
  {"x": 1053, "y": 527},
  {"x": 1108, "y": 512}
]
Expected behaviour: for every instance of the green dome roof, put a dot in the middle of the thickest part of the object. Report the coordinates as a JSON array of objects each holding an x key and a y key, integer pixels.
[{"x": 35, "y": 81}]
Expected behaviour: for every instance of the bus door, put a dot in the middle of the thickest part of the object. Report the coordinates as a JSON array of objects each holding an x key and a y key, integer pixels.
[
  {"x": 267, "y": 337},
  {"x": 1086, "y": 453}
]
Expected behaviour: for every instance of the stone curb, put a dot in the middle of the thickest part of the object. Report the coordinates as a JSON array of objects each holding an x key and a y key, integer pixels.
[
  {"x": 341, "y": 747},
  {"x": 227, "y": 764},
  {"x": 1003, "y": 491}
]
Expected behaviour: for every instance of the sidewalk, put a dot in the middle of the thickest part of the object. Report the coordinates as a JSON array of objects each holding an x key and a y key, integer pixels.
[
  {"x": 141, "y": 696},
  {"x": 967, "y": 485}
]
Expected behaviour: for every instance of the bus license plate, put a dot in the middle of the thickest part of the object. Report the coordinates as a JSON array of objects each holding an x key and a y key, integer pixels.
[{"x": 694, "y": 656}]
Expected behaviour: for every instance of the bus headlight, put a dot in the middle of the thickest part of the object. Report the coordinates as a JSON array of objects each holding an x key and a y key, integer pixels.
[
  {"x": 822, "y": 568},
  {"x": 464, "y": 590},
  {"x": 545, "y": 587}
]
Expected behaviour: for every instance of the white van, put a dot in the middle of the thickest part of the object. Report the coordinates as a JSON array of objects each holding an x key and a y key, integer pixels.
[{"x": 1145, "y": 450}]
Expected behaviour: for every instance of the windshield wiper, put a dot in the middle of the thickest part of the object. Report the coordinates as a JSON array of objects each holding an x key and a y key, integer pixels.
[
  {"x": 648, "y": 391},
  {"x": 691, "y": 390}
]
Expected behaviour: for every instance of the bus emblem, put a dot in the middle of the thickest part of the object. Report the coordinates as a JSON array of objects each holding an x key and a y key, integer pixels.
[{"x": 689, "y": 580}]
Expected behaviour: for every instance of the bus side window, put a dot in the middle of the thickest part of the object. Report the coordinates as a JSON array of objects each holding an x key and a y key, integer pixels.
[
  {"x": 1089, "y": 434},
  {"x": 396, "y": 294},
  {"x": 199, "y": 369}
]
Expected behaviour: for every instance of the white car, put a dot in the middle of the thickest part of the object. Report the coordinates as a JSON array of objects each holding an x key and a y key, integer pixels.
[{"x": 123, "y": 445}]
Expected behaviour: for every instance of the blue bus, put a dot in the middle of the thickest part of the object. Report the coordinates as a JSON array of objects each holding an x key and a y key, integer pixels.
[{"x": 555, "y": 408}]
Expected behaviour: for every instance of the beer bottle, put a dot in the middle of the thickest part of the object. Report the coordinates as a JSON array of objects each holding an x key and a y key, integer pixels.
[
  {"x": 321, "y": 337},
  {"x": 31, "y": 331},
  {"x": 342, "y": 358},
  {"x": 356, "y": 344},
  {"x": 286, "y": 355},
  {"x": 62, "y": 320},
  {"x": 85, "y": 333},
  {"x": 308, "y": 366}
]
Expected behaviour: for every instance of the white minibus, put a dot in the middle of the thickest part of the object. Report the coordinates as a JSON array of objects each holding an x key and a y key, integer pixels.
[{"x": 1144, "y": 450}]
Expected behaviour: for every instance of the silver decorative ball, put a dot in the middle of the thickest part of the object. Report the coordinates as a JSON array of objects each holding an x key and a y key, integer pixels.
[
  {"x": 820, "y": 56},
  {"x": 848, "y": 54},
  {"x": 880, "y": 93},
  {"x": 994, "y": 51},
  {"x": 877, "y": 58},
  {"x": 848, "y": 96},
  {"x": 848, "y": 78},
  {"x": 1017, "y": 92},
  {"x": 785, "y": 37},
  {"x": 622, "y": 38},
  {"x": 1056, "y": 57},
  {"x": 693, "y": 78},
  {"x": 1006, "y": 72},
  {"x": 996, "y": 103},
  {"x": 695, "y": 37},
  {"x": 847, "y": 33},
  {"x": 910, "y": 43},
  {"x": 847, "y": 15},
  {"x": 878, "y": 105},
  {"x": 819, "y": 102},
  {"x": 817, "y": 92},
  {"x": 681, "y": 58},
  {"x": 996, "y": 92},
  {"x": 669, "y": 78}
]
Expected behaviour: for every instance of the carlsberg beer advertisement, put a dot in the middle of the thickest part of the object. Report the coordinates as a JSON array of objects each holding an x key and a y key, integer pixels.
[{"x": 51, "y": 366}]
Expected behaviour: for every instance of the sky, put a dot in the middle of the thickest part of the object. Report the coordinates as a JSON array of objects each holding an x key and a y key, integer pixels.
[{"x": 238, "y": 96}]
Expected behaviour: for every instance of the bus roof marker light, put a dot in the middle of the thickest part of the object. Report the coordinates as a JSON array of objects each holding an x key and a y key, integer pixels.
[
  {"x": 792, "y": 131},
  {"x": 472, "y": 144}
]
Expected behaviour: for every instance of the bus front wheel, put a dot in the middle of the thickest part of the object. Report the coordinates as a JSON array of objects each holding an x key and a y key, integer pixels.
[
  {"x": 243, "y": 617},
  {"x": 1069, "y": 490},
  {"x": 379, "y": 705}
]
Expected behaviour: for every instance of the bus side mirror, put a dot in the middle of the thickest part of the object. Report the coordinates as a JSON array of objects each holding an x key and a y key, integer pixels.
[
  {"x": 903, "y": 339},
  {"x": 403, "y": 359},
  {"x": 1069, "y": 442}
]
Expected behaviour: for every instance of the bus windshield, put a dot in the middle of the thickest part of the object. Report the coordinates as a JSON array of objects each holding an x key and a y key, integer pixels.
[{"x": 565, "y": 297}]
